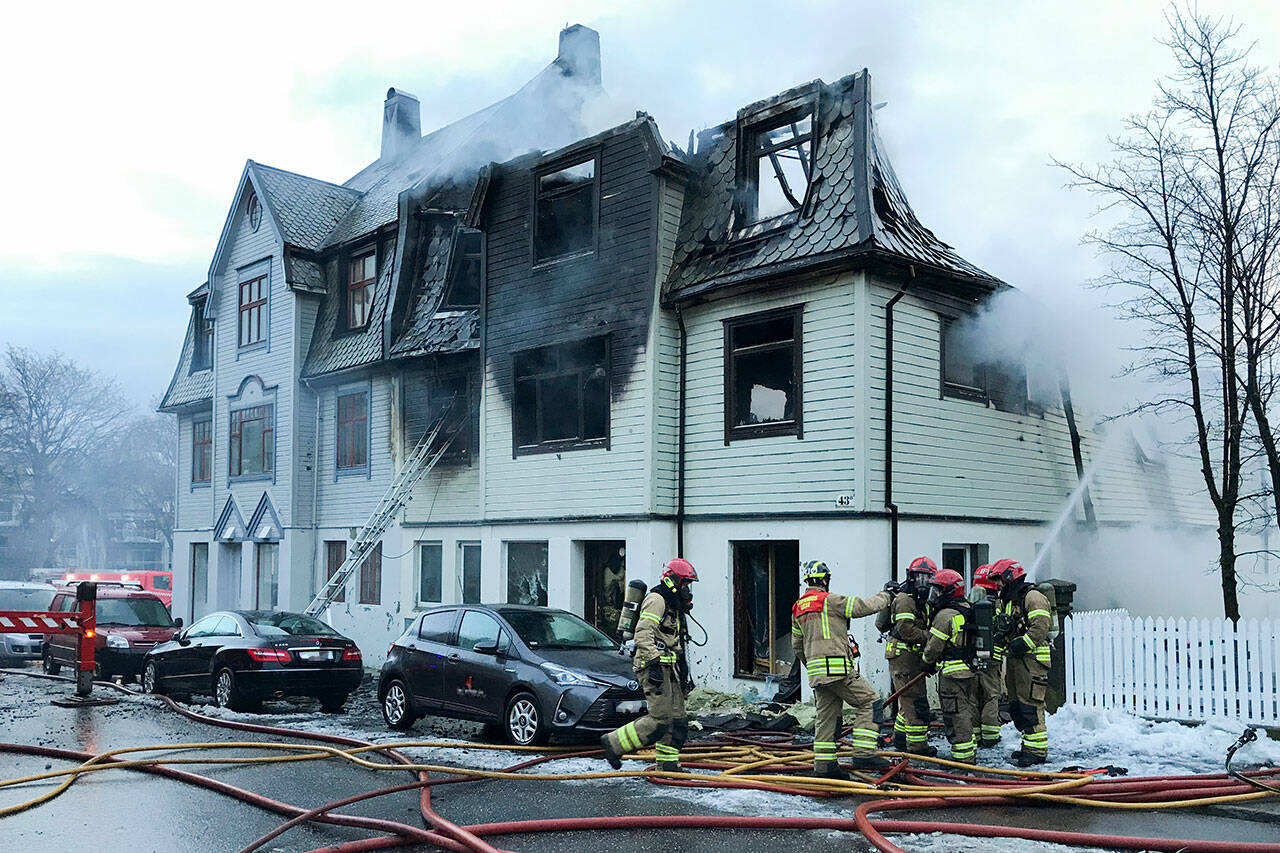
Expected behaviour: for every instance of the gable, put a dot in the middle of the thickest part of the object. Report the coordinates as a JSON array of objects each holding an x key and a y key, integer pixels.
[
  {"x": 230, "y": 526},
  {"x": 238, "y": 228},
  {"x": 264, "y": 524}
]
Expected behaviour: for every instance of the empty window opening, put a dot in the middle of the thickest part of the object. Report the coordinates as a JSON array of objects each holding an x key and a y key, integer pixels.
[
  {"x": 604, "y": 580},
  {"x": 969, "y": 371},
  {"x": 562, "y": 396},
  {"x": 252, "y": 441},
  {"x": 766, "y": 582},
  {"x": 565, "y": 211},
  {"x": 353, "y": 430},
  {"x": 963, "y": 559},
  {"x": 469, "y": 572},
  {"x": 202, "y": 450},
  {"x": 430, "y": 571},
  {"x": 361, "y": 272},
  {"x": 464, "y": 275},
  {"x": 762, "y": 375},
  {"x": 781, "y": 161},
  {"x": 253, "y": 311},
  {"x": 527, "y": 573}
]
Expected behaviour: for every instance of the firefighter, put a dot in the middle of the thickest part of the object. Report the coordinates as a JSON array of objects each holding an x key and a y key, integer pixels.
[
  {"x": 907, "y": 636},
  {"x": 1026, "y": 619},
  {"x": 819, "y": 636},
  {"x": 991, "y": 679},
  {"x": 661, "y": 667},
  {"x": 949, "y": 652}
]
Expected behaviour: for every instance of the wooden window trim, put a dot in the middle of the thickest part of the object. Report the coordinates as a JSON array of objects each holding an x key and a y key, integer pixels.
[
  {"x": 419, "y": 546},
  {"x": 335, "y": 549},
  {"x": 371, "y": 577},
  {"x": 749, "y": 129},
  {"x": 796, "y": 425},
  {"x": 252, "y": 315},
  {"x": 356, "y": 458},
  {"x": 237, "y": 420},
  {"x": 563, "y": 445},
  {"x": 202, "y": 451},
  {"x": 202, "y": 339},
  {"x": 364, "y": 286},
  {"x": 537, "y": 194}
]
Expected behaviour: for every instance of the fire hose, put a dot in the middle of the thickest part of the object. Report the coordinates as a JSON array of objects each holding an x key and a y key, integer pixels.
[{"x": 759, "y": 762}]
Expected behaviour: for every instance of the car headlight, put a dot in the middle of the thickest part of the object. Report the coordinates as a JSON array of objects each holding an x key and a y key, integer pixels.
[
  {"x": 567, "y": 677},
  {"x": 114, "y": 642}
]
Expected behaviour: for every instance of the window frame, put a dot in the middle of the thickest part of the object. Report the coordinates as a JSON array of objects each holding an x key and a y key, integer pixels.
[
  {"x": 331, "y": 568},
  {"x": 247, "y": 278},
  {"x": 795, "y": 426},
  {"x": 371, "y": 577},
  {"x": 201, "y": 452},
  {"x": 421, "y": 565},
  {"x": 461, "y": 555},
  {"x": 233, "y": 434},
  {"x": 368, "y": 287},
  {"x": 457, "y": 259},
  {"x": 563, "y": 445},
  {"x": 536, "y": 194},
  {"x": 751, "y": 156},
  {"x": 201, "y": 338},
  {"x": 545, "y": 545},
  {"x": 959, "y": 391},
  {"x": 365, "y": 414}
]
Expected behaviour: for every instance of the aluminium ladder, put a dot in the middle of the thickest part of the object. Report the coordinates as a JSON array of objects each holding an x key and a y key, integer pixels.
[{"x": 424, "y": 457}]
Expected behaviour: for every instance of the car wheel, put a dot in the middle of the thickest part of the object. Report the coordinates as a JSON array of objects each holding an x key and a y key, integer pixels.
[
  {"x": 51, "y": 666},
  {"x": 524, "y": 723},
  {"x": 332, "y": 703},
  {"x": 151, "y": 680},
  {"x": 226, "y": 692},
  {"x": 396, "y": 708}
]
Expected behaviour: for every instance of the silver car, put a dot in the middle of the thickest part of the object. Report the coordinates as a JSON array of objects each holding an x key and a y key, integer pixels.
[{"x": 19, "y": 595}]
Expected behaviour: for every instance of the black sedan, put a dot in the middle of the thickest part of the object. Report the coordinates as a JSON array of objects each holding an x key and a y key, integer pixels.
[
  {"x": 244, "y": 656},
  {"x": 532, "y": 671}
]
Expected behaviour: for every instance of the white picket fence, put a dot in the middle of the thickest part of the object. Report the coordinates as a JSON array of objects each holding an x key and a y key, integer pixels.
[{"x": 1183, "y": 669}]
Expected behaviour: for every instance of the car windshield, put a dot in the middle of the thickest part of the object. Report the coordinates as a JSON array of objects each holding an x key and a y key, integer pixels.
[
  {"x": 545, "y": 629},
  {"x": 289, "y": 625},
  {"x": 25, "y": 599},
  {"x": 143, "y": 612}
]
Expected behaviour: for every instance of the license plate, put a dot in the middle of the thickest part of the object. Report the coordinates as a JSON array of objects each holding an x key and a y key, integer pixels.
[
  {"x": 315, "y": 655},
  {"x": 631, "y": 706}
]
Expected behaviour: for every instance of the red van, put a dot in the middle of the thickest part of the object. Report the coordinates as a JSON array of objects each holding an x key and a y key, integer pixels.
[
  {"x": 130, "y": 622},
  {"x": 159, "y": 584}
]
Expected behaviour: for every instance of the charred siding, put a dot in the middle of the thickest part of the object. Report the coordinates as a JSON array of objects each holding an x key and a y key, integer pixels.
[{"x": 610, "y": 291}]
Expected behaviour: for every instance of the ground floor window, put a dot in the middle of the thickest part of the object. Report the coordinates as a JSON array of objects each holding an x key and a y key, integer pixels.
[
  {"x": 604, "y": 580},
  {"x": 267, "y": 559},
  {"x": 335, "y": 552},
  {"x": 963, "y": 559},
  {"x": 430, "y": 569},
  {"x": 527, "y": 573},
  {"x": 469, "y": 571},
  {"x": 371, "y": 577},
  {"x": 199, "y": 579},
  {"x": 766, "y": 582},
  {"x": 229, "y": 576}
]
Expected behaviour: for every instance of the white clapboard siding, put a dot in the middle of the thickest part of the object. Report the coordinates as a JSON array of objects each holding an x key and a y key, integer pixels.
[{"x": 1184, "y": 669}]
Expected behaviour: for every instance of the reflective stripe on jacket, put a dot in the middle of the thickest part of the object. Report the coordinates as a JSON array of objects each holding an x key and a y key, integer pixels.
[
  {"x": 946, "y": 644},
  {"x": 657, "y": 633},
  {"x": 1033, "y": 610},
  {"x": 820, "y": 628},
  {"x": 907, "y": 634}
]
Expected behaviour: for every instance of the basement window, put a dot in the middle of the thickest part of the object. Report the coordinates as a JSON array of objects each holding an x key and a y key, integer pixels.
[
  {"x": 464, "y": 275},
  {"x": 564, "y": 221},
  {"x": 779, "y": 163},
  {"x": 561, "y": 397},
  {"x": 762, "y": 373},
  {"x": 968, "y": 375}
]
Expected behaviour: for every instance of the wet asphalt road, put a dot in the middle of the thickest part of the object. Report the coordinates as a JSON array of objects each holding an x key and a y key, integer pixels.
[{"x": 122, "y": 810}]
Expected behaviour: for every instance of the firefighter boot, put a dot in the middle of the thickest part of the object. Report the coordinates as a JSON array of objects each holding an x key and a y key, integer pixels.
[
  {"x": 670, "y": 767},
  {"x": 830, "y": 770},
  {"x": 900, "y": 741},
  {"x": 927, "y": 751},
  {"x": 1026, "y": 759},
  {"x": 614, "y": 758},
  {"x": 869, "y": 762}
]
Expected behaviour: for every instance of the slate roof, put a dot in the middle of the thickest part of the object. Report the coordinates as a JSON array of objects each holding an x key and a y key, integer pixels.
[
  {"x": 855, "y": 204},
  {"x": 427, "y": 329},
  {"x": 329, "y": 352},
  {"x": 306, "y": 209},
  {"x": 187, "y": 388}
]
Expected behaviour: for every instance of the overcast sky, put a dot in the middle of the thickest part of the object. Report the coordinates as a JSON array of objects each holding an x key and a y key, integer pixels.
[{"x": 126, "y": 126}]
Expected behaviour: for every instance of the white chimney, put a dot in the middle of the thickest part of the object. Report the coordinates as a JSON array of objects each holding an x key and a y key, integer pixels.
[
  {"x": 580, "y": 53},
  {"x": 401, "y": 123}
]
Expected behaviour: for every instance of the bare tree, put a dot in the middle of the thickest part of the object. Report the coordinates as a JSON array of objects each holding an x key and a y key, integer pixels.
[
  {"x": 55, "y": 419},
  {"x": 1195, "y": 181},
  {"x": 136, "y": 470}
]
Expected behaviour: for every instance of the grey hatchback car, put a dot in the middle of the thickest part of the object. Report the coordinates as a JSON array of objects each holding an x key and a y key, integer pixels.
[{"x": 531, "y": 671}]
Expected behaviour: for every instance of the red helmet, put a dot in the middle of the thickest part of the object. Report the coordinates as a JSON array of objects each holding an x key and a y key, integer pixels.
[
  {"x": 982, "y": 578},
  {"x": 922, "y": 564},
  {"x": 679, "y": 569},
  {"x": 1007, "y": 571},
  {"x": 949, "y": 584}
]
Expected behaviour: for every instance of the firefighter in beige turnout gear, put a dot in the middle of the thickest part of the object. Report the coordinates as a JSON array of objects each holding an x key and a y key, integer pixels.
[
  {"x": 819, "y": 636},
  {"x": 907, "y": 636},
  {"x": 1028, "y": 618},
  {"x": 948, "y": 652},
  {"x": 991, "y": 679},
  {"x": 661, "y": 667}
]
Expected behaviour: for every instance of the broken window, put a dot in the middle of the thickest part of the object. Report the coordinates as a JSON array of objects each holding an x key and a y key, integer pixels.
[
  {"x": 253, "y": 311},
  {"x": 353, "y": 430},
  {"x": 451, "y": 397},
  {"x": 464, "y": 276},
  {"x": 564, "y": 221},
  {"x": 780, "y": 161},
  {"x": 252, "y": 441},
  {"x": 969, "y": 373},
  {"x": 361, "y": 272},
  {"x": 562, "y": 396},
  {"x": 766, "y": 582},
  {"x": 527, "y": 573},
  {"x": 202, "y": 343},
  {"x": 762, "y": 375},
  {"x": 201, "y": 451}
]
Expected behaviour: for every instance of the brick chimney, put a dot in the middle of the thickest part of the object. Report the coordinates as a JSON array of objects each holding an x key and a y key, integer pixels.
[
  {"x": 580, "y": 53},
  {"x": 401, "y": 123}
]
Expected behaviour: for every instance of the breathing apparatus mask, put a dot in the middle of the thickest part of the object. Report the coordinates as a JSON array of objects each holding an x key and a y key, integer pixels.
[{"x": 936, "y": 597}]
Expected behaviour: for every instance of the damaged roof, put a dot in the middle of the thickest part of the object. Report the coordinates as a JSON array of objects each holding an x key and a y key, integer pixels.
[{"x": 854, "y": 205}]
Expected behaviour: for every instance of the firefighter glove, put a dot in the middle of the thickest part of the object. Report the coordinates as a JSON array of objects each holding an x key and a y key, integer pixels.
[
  {"x": 654, "y": 673},
  {"x": 1017, "y": 649},
  {"x": 930, "y": 669}
]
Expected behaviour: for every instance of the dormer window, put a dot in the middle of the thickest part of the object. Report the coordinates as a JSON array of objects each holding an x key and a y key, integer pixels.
[
  {"x": 202, "y": 343},
  {"x": 564, "y": 221},
  {"x": 464, "y": 278},
  {"x": 778, "y": 165},
  {"x": 361, "y": 273}
]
